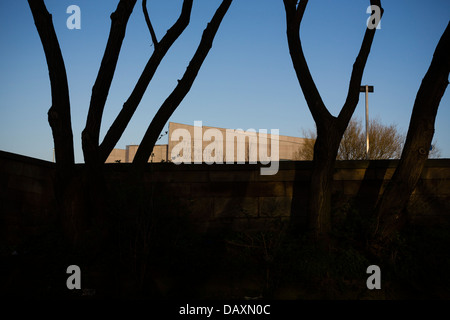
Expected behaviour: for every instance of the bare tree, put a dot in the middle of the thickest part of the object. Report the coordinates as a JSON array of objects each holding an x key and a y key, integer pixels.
[
  {"x": 59, "y": 114},
  {"x": 353, "y": 143},
  {"x": 385, "y": 142},
  {"x": 160, "y": 49},
  {"x": 390, "y": 209},
  {"x": 306, "y": 150},
  {"x": 184, "y": 85},
  {"x": 330, "y": 129},
  {"x": 95, "y": 154}
]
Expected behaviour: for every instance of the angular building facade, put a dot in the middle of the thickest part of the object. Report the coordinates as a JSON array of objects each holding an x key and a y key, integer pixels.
[{"x": 200, "y": 143}]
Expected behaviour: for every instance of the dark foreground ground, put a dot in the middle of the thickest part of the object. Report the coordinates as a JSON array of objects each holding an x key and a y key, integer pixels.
[{"x": 165, "y": 260}]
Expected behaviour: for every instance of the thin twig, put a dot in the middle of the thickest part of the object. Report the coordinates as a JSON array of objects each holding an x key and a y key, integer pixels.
[{"x": 149, "y": 24}]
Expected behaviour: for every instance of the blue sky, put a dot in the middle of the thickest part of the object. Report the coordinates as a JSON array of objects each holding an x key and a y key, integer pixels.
[{"x": 247, "y": 80}]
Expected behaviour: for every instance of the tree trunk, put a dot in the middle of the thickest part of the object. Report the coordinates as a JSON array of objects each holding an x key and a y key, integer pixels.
[
  {"x": 59, "y": 119},
  {"x": 96, "y": 216},
  {"x": 390, "y": 211},
  {"x": 321, "y": 186},
  {"x": 59, "y": 113}
]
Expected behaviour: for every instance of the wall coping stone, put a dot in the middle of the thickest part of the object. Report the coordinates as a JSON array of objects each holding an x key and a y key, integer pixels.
[{"x": 283, "y": 165}]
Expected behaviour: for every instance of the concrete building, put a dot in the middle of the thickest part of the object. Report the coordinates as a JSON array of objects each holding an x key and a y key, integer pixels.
[
  {"x": 221, "y": 144},
  {"x": 159, "y": 154}
]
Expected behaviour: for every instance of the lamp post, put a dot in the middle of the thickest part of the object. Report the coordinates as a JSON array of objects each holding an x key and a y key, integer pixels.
[{"x": 367, "y": 89}]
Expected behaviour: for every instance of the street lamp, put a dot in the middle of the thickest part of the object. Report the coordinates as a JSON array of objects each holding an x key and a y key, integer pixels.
[{"x": 367, "y": 89}]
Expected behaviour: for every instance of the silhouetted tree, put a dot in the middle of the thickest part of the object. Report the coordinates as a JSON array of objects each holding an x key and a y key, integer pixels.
[
  {"x": 184, "y": 85},
  {"x": 95, "y": 154},
  {"x": 390, "y": 209},
  {"x": 160, "y": 49},
  {"x": 330, "y": 129}
]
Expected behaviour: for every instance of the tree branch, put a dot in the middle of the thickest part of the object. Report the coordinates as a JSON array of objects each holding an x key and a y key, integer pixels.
[
  {"x": 389, "y": 210},
  {"x": 329, "y": 128},
  {"x": 126, "y": 113},
  {"x": 301, "y": 7},
  {"x": 100, "y": 90},
  {"x": 294, "y": 16},
  {"x": 149, "y": 24},
  {"x": 357, "y": 74},
  {"x": 184, "y": 85},
  {"x": 59, "y": 113}
]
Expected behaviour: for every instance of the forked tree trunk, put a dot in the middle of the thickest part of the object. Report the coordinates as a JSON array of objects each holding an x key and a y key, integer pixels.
[
  {"x": 390, "y": 211},
  {"x": 330, "y": 129}
]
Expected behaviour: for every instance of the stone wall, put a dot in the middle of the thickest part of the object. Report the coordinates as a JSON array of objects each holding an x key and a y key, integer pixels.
[
  {"x": 215, "y": 196},
  {"x": 27, "y": 202},
  {"x": 238, "y": 197}
]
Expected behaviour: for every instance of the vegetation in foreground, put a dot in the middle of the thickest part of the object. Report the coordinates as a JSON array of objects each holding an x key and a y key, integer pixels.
[{"x": 163, "y": 259}]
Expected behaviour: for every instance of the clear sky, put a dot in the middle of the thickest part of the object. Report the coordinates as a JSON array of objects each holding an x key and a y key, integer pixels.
[{"x": 247, "y": 80}]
